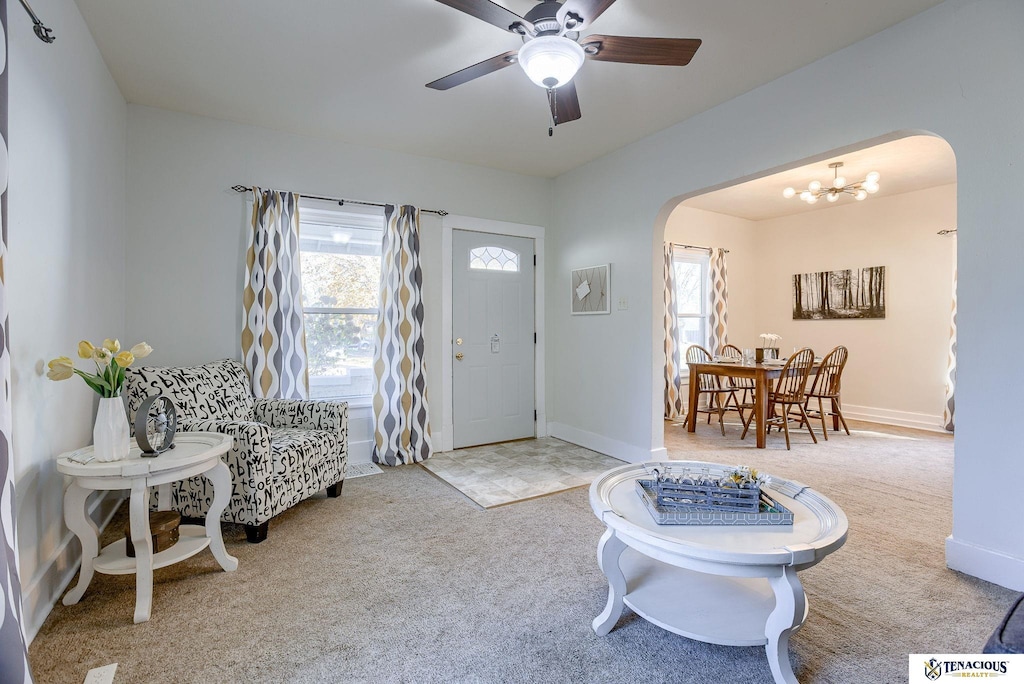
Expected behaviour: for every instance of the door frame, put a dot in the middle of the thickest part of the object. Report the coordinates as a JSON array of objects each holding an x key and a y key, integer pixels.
[{"x": 478, "y": 225}]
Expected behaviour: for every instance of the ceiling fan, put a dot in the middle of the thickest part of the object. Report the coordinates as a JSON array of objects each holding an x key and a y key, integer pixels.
[{"x": 553, "y": 51}]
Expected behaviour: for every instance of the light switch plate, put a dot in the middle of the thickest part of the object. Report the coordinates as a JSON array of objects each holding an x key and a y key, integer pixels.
[
  {"x": 101, "y": 675},
  {"x": 623, "y": 303}
]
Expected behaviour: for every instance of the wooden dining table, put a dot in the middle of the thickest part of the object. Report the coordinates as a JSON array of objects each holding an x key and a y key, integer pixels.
[{"x": 761, "y": 374}]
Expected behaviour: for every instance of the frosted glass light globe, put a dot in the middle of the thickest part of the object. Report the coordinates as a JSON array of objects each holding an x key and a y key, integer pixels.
[
  {"x": 551, "y": 61},
  {"x": 832, "y": 197},
  {"x": 871, "y": 187},
  {"x": 861, "y": 194},
  {"x": 815, "y": 186},
  {"x": 839, "y": 182},
  {"x": 788, "y": 192},
  {"x": 812, "y": 200},
  {"x": 873, "y": 177}
]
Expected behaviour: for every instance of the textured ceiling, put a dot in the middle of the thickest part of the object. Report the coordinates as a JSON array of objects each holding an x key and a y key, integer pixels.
[
  {"x": 355, "y": 70},
  {"x": 908, "y": 164}
]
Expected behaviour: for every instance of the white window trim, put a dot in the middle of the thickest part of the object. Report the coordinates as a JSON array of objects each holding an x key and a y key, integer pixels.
[{"x": 703, "y": 258}]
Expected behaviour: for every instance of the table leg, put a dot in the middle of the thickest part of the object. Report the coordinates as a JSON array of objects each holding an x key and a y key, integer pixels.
[
  {"x": 691, "y": 407},
  {"x": 142, "y": 539},
  {"x": 790, "y": 607},
  {"x": 220, "y": 476},
  {"x": 761, "y": 408},
  {"x": 78, "y": 521},
  {"x": 608, "y": 551}
]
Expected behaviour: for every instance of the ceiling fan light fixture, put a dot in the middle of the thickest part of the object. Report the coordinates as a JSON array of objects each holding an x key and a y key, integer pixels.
[{"x": 551, "y": 61}]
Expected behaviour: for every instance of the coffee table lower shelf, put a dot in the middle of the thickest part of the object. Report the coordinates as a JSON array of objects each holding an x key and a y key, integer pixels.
[
  {"x": 114, "y": 560},
  {"x": 731, "y": 611}
]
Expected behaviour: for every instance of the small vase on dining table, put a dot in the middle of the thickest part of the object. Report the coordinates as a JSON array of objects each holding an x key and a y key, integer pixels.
[{"x": 110, "y": 433}]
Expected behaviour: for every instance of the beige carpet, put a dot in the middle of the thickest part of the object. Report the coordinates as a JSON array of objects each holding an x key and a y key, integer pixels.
[
  {"x": 400, "y": 580},
  {"x": 499, "y": 474}
]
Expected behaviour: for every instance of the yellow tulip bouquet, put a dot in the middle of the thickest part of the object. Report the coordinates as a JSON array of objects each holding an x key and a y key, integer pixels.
[{"x": 110, "y": 362}]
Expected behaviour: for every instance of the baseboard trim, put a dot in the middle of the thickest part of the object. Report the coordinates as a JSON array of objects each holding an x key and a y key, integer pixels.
[
  {"x": 604, "y": 445},
  {"x": 360, "y": 452},
  {"x": 871, "y": 414},
  {"x": 49, "y": 583},
  {"x": 987, "y": 564}
]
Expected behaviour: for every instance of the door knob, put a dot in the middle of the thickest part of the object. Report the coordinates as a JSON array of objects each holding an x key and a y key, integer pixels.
[{"x": 459, "y": 356}]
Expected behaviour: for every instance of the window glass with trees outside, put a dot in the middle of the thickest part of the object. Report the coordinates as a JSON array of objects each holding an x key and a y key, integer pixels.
[
  {"x": 340, "y": 256},
  {"x": 691, "y": 275}
]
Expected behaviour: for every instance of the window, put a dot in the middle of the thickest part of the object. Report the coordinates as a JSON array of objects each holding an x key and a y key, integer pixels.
[
  {"x": 493, "y": 259},
  {"x": 691, "y": 274},
  {"x": 340, "y": 255}
]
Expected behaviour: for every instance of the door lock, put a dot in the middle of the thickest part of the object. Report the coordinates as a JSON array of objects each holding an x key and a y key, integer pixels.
[
  {"x": 458, "y": 356},
  {"x": 458, "y": 341}
]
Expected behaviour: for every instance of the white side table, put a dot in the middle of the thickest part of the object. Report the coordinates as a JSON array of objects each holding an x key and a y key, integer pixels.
[{"x": 195, "y": 453}]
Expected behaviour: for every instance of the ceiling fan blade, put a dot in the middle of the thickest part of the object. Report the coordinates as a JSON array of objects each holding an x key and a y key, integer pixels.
[
  {"x": 476, "y": 71},
  {"x": 663, "y": 51},
  {"x": 490, "y": 12},
  {"x": 586, "y": 11},
  {"x": 565, "y": 104}
]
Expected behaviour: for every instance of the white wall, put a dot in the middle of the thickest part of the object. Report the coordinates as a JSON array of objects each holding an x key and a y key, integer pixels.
[
  {"x": 65, "y": 270},
  {"x": 186, "y": 237},
  {"x": 897, "y": 366},
  {"x": 951, "y": 70}
]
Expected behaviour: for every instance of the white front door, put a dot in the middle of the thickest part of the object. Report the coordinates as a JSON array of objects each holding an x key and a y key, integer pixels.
[{"x": 493, "y": 337}]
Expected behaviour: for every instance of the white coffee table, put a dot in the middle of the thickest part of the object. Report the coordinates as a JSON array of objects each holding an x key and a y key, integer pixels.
[
  {"x": 731, "y": 585},
  {"x": 195, "y": 453}
]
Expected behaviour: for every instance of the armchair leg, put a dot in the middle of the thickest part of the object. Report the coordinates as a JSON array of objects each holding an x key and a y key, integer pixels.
[
  {"x": 254, "y": 534},
  {"x": 334, "y": 491}
]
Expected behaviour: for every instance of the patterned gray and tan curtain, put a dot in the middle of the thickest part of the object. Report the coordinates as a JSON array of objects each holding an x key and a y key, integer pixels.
[
  {"x": 718, "y": 314},
  {"x": 13, "y": 649},
  {"x": 401, "y": 421},
  {"x": 673, "y": 381},
  {"x": 273, "y": 335},
  {"x": 950, "y": 404}
]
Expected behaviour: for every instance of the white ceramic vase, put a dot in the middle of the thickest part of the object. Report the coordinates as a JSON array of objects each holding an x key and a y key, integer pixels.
[{"x": 110, "y": 434}]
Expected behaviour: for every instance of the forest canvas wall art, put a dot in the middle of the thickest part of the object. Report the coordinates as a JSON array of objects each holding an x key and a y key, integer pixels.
[{"x": 853, "y": 293}]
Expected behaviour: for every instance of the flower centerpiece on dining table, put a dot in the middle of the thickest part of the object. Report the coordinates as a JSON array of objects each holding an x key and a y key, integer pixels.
[
  {"x": 769, "y": 348},
  {"x": 110, "y": 432}
]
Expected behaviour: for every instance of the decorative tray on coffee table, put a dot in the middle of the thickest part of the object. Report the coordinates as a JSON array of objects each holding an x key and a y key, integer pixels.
[{"x": 700, "y": 498}]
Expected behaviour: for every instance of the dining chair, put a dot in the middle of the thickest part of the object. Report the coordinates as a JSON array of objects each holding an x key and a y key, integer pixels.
[
  {"x": 708, "y": 385},
  {"x": 826, "y": 385},
  {"x": 788, "y": 392},
  {"x": 744, "y": 386}
]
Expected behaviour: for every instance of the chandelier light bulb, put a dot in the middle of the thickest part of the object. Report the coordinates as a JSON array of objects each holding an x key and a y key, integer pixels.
[
  {"x": 812, "y": 200},
  {"x": 815, "y": 186},
  {"x": 871, "y": 187},
  {"x": 788, "y": 193},
  {"x": 839, "y": 182},
  {"x": 805, "y": 196},
  {"x": 861, "y": 194},
  {"x": 551, "y": 61},
  {"x": 873, "y": 177},
  {"x": 832, "y": 197}
]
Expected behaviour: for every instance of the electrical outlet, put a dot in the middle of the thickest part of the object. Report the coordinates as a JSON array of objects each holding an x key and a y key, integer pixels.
[
  {"x": 623, "y": 303},
  {"x": 101, "y": 675}
]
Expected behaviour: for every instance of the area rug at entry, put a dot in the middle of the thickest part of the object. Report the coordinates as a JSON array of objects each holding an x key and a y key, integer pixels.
[{"x": 499, "y": 474}]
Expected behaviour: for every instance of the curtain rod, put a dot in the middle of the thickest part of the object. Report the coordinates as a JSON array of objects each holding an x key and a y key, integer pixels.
[
  {"x": 342, "y": 202},
  {"x": 709, "y": 249},
  {"x": 947, "y": 231},
  {"x": 44, "y": 34}
]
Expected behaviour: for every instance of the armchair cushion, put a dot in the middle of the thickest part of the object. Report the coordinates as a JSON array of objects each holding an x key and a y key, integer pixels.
[
  {"x": 212, "y": 391},
  {"x": 294, "y": 413},
  {"x": 311, "y": 452}
]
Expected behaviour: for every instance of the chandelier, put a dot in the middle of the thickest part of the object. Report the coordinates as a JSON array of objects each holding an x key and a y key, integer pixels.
[{"x": 815, "y": 190}]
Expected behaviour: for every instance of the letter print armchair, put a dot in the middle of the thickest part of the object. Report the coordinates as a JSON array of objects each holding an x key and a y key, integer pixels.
[{"x": 285, "y": 450}]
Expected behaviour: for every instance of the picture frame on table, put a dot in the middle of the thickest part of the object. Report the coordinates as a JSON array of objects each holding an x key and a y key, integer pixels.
[{"x": 591, "y": 290}]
